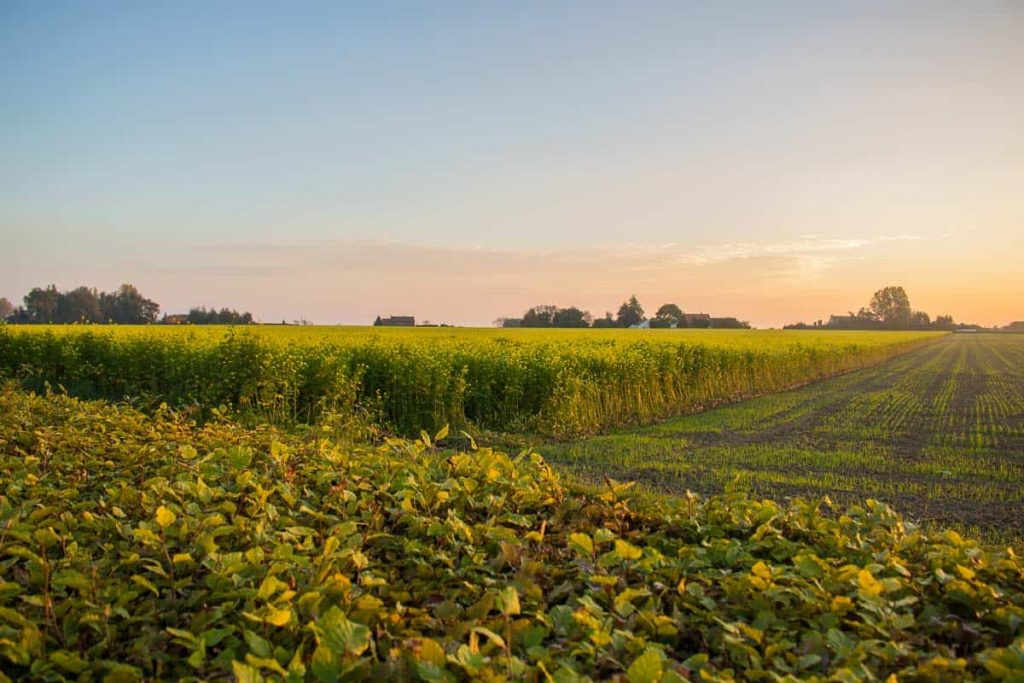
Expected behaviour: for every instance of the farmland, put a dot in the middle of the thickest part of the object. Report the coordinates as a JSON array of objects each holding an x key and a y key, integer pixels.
[
  {"x": 938, "y": 433},
  {"x": 554, "y": 382},
  {"x": 144, "y": 547},
  {"x": 239, "y": 505}
]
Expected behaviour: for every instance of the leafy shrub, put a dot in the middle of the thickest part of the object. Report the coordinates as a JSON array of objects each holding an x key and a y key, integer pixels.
[{"x": 136, "y": 546}]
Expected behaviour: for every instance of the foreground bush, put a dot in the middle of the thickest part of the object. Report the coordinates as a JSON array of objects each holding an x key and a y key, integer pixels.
[
  {"x": 555, "y": 382},
  {"x": 139, "y": 547}
]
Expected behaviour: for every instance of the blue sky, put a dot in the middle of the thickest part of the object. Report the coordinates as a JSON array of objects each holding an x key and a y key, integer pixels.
[{"x": 769, "y": 160}]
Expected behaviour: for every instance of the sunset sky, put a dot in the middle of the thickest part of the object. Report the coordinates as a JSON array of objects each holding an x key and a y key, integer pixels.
[{"x": 461, "y": 161}]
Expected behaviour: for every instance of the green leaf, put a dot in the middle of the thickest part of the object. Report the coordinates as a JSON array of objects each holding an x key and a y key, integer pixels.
[
  {"x": 809, "y": 566},
  {"x": 326, "y": 664},
  {"x": 269, "y": 586},
  {"x": 68, "y": 661},
  {"x": 581, "y": 543},
  {"x": 342, "y": 635},
  {"x": 239, "y": 456},
  {"x": 431, "y": 651},
  {"x": 507, "y": 601},
  {"x": 145, "y": 583},
  {"x": 46, "y": 537},
  {"x": 441, "y": 434},
  {"x": 245, "y": 673},
  {"x": 430, "y": 672},
  {"x": 258, "y": 646},
  {"x": 646, "y": 668}
]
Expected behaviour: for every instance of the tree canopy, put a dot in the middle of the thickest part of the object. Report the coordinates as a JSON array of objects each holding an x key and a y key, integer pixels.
[
  {"x": 125, "y": 306},
  {"x": 630, "y": 313},
  {"x": 553, "y": 316},
  {"x": 891, "y": 305},
  {"x": 668, "y": 315},
  {"x": 85, "y": 305}
]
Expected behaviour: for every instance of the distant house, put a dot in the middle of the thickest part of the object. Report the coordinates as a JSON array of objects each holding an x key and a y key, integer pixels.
[
  {"x": 697, "y": 319},
  {"x": 175, "y": 319},
  {"x": 642, "y": 325},
  {"x": 395, "y": 321}
]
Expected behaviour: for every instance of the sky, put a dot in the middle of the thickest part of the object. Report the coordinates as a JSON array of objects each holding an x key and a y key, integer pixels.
[{"x": 462, "y": 161}]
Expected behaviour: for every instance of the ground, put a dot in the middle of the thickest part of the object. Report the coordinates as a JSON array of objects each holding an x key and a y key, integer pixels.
[{"x": 938, "y": 433}]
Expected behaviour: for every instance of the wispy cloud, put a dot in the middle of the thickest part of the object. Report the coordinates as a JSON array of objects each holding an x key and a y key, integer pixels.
[{"x": 274, "y": 258}]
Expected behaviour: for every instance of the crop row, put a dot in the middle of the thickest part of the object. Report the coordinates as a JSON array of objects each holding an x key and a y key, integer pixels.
[{"x": 558, "y": 385}]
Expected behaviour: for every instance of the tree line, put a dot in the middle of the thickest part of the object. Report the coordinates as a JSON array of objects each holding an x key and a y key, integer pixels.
[
  {"x": 125, "y": 306},
  {"x": 630, "y": 314},
  {"x": 889, "y": 309}
]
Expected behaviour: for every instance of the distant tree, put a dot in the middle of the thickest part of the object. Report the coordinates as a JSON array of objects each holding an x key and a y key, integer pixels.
[
  {"x": 667, "y": 315},
  {"x": 864, "y": 314},
  {"x": 606, "y": 321},
  {"x": 511, "y": 322},
  {"x": 127, "y": 306},
  {"x": 919, "y": 320},
  {"x": 41, "y": 304},
  {"x": 891, "y": 305},
  {"x": 571, "y": 317},
  {"x": 540, "y": 316},
  {"x": 729, "y": 324},
  {"x": 225, "y": 316},
  {"x": 6, "y": 309},
  {"x": 630, "y": 313},
  {"x": 78, "y": 305},
  {"x": 377, "y": 322}
]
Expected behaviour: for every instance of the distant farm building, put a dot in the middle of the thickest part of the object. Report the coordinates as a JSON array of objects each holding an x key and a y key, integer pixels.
[
  {"x": 395, "y": 321},
  {"x": 697, "y": 319}
]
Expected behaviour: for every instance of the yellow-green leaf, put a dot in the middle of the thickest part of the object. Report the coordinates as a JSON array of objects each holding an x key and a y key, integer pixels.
[{"x": 165, "y": 517}]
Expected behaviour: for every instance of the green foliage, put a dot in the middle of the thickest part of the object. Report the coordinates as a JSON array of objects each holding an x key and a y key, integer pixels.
[
  {"x": 555, "y": 382},
  {"x": 137, "y": 547},
  {"x": 630, "y": 313}
]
